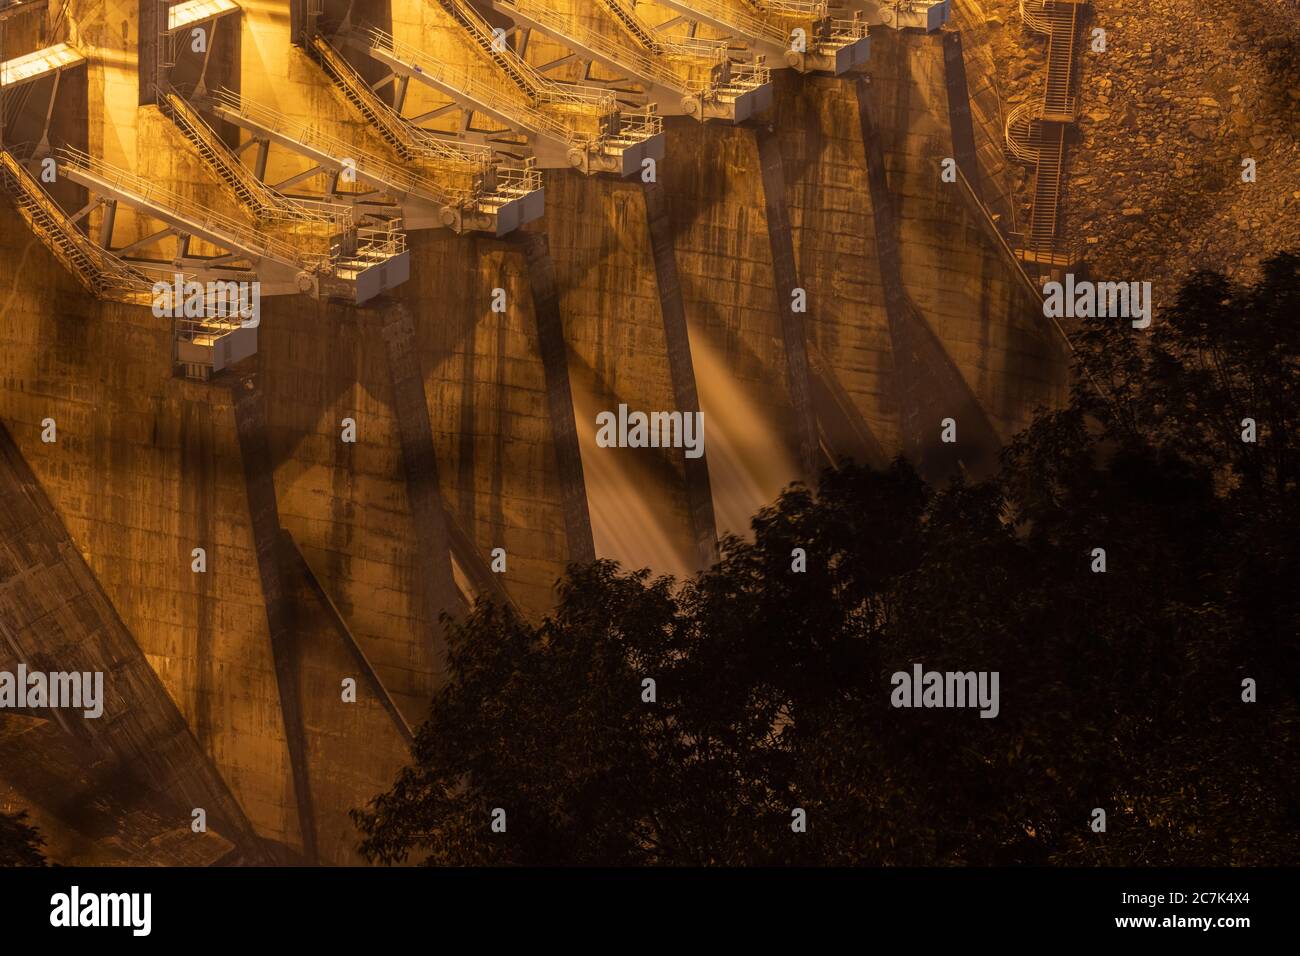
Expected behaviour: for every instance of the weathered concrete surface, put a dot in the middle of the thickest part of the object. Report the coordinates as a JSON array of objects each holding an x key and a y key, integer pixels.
[
  {"x": 259, "y": 486},
  {"x": 87, "y": 814},
  {"x": 351, "y": 745},
  {"x": 724, "y": 255},
  {"x": 346, "y": 503},
  {"x": 985, "y": 102},
  {"x": 614, "y": 324},
  {"x": 420, "y": 463},
  {"x": 148, "y": 468},
  {"x": 972, "y": 294},
  {"x": 486, "y": 385},
  {"x": 972, "y": 298},
  {"x": 55, "y": 617},
  {"x": 681, "y": 366}
]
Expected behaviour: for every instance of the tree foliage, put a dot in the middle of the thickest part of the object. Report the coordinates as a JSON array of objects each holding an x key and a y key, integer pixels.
[{"x": 1120, "y": 690}]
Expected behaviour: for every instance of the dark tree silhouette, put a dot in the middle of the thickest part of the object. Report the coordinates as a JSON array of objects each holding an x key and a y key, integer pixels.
[
  {"x": 1120, "y": 690},
  {"x": 20, "y": 843}
]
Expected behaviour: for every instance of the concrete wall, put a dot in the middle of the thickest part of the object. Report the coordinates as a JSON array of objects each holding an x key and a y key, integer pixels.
[
  {"x": 711, "y": 175},
  {"x": 485, "y": 388},
  {"x": 989, "y": 322},
  {"x": 613, "y": 323},
  {"x": 148, "y": 467}
]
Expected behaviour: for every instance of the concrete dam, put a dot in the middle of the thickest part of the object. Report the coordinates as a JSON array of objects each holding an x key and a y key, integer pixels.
[{"x": 469, "y": 229}]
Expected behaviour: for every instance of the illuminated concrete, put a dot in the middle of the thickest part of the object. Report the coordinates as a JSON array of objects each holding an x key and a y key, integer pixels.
[{"x": 148, "y": 466}]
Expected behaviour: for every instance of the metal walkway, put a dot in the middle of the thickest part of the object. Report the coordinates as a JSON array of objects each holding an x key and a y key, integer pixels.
[
  {"x": 103, "y": 274},
  {"x": 501, "y": 197},
  {"x": 277, "y": 265},
  {"x": 376, "y": 188},
  {"x": 681, "y": 79},
  {"x": 564, "y": 126},
  {"x": 201, "y": 344},
  {"x": 264, "y": 202},
  {"x": 801, "y": 34},
  {"x": 1036, "y": 132}
]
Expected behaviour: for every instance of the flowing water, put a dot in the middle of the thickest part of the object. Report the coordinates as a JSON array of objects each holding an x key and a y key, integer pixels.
[
  {"x": 749, "y": 460},
  {"x": 629, "y": 521},
  {"x": 632, "y": 519}
]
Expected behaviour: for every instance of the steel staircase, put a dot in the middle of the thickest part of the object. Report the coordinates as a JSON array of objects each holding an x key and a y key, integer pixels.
[
  {"x": 594, "y": 135},
  {"x": 409, "y": 141},
  {"x": 662, "y": 43},
  {"x": 200, "y": 345},
  {"x": 502, "y": 197},
  {"x": 834, "y": 45},
  {"x": 1044, "y": 217},
  {"x": 467, "y": 85},
  {"x": 103, "y": 274},
  {"x": 394, "y": 130},
  {"x": 353, "y": 249},
  {"x": 349, "y": 265},
  {"x": 698, "y": 87},
  {"x": 399, "y": 183},
  {"x": 263, "y": 201},
  {"x": 640, "y": 32},
  {"x": 1035, "y": 133},
  {"x": 276, "y": 261},
  {"x": 1058, "y": 97},
  {"x": 567, "y": 28},
  {"x": 519, "y": 72}
]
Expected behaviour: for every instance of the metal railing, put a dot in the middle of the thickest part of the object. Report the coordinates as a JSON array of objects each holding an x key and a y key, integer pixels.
[
  {"x": 540, "y": 86},
  {"x": 694, "y": 47},
  {"x": 750, "y": 74},
  {"x": 640, "y": 125},
  {"x": 746, "y": 24},
  {"x": 1018, "y": 132},
  {"x": 239, "y": 234},
  {"x": 464, "y": 80},
  {"x": 368, "y": 166},
  {"x": 269, "y": 204},
  {"x": 845, "y": 31},
  {"x": 518, "y": 179},
  {"x": 397, "y": 127},
  {"x": 681, "y": 45},
  {"x": 644, "y": 34},
  {"x": 800, "y": 8},
  {"x": 770, "y": 27},
  {"x": 1033, "y": 15},
  {"x": 211, "y": 326},
  {"x": 640, "y": 64},
  {"x": 98, "y": 270},
  {"x": 371, "y": 243}
]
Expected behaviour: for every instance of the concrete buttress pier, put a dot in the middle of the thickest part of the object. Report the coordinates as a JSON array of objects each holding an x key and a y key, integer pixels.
[{"x": 789, "y": 263}]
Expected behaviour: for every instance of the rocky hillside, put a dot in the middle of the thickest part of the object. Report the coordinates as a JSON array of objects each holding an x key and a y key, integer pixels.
[{"x": 1183, "y": 93}]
